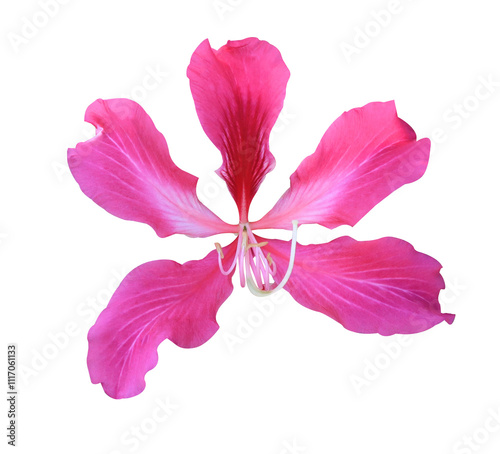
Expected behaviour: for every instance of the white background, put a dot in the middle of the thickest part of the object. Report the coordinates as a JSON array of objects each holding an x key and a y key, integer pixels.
[{"x": 296, "y": 382}]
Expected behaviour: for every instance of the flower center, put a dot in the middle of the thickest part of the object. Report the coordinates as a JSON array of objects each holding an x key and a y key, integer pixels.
[{"x": 256, "y": 269}]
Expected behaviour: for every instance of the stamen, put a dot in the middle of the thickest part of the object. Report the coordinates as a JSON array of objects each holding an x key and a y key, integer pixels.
[
  {"x": 262, "y": 266},
  {"x": 220, "y": 255},
  {"x": 258, "y": 292},
  {"x": 267, "y": 270},
  {"x": 271, "y": 263},
  {"x": 254, "y": 267},
  {"x": 240, "y": 252},
  {"x": 261, "y": 244},
  {"x": 219, "y": 250}
]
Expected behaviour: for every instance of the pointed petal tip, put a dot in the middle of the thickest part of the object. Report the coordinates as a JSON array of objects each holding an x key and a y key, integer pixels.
[
  {"x": 242, "y": 42},
  {"x": 449, "y": 318},
  {"x": 94, "y": 112}
]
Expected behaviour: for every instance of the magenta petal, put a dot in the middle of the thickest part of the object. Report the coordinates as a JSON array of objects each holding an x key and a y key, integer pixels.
[
  {"x": 156, "y": 301},
  {"x": 238, "y": 92},
  {"x": 366, "y": 154},
  {"x": 127, "y": 170},
  {"x": 381, "y": 286}
]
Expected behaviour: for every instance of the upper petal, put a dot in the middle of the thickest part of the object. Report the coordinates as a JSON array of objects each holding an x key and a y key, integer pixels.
[
  {"x": 382, "y": 286},
  {"x": 364, "y": 155},
  {"x": 238, "y": 92},
  {"x": 156, "y": 301},
  {"x": 127, "y": 170}
]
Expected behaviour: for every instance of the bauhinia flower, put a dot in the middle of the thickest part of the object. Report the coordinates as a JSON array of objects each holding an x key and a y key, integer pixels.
[{"x": 382, "y": 286}]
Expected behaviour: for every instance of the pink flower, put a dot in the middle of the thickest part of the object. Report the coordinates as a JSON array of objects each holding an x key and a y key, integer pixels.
[{"x": 381, "y": 286}]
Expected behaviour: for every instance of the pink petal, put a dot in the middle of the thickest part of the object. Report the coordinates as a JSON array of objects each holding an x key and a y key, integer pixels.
[
  {"x": 127, "y": 170},
  {"x": 364, "y": 155},
  {"x": 238, "y": 92},
  {"x": 381, "y": 286},
  {"x": 156, "y": 301}
]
